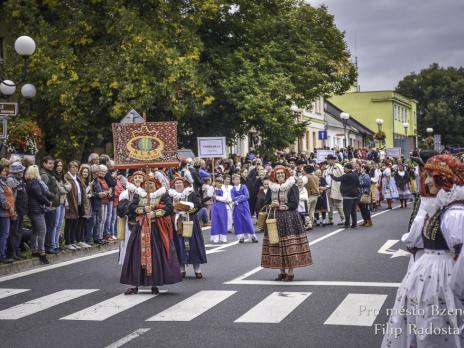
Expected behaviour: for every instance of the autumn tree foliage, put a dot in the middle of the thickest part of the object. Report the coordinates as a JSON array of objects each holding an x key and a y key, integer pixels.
[{"x": 217, "y": 67}]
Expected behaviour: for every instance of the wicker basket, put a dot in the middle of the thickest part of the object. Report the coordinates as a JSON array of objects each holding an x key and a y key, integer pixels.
[
  {"x": 272, "y": 232},
  {"x": 121, "y": 228},
  {"x": 187, "y": 228},
  {"x": 261, "y": 221}
]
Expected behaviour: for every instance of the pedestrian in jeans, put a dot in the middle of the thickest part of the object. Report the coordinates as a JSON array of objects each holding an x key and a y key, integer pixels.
[
  {"x": 95, "y": 194},
  {"x": 63, "y": 187},
  {"x": 17, "y": 183},
  {"x": 87, "y": 224},
  {"x": 48, "y": 177},
  {"x": 39, "y": 203},
  {"x": 7, "y": 212},
  {"x": 104, "y": 198},
  {"x": 349, "y": 189},
  {"x": 110, "y": 178},
  {"x": 365, "y": 187},
  {"x": 78, "y": 206}
]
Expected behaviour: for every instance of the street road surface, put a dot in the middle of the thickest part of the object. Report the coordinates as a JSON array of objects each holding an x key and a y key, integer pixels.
[{"x": 336, "y": 302}]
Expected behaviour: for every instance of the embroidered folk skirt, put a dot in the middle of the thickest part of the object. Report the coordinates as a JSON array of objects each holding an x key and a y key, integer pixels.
[
  {"x": 166, "y": 268},
  {"x": 292, "y": 251}
]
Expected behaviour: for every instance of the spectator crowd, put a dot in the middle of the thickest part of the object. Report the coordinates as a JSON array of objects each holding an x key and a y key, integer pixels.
[{"x": 70, "y": 206}]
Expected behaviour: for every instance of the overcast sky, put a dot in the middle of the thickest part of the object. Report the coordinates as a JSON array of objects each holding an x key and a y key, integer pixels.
[{"x": 395, "y": 37}]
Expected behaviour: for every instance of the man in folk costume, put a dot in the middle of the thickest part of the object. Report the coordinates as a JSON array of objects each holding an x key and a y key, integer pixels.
[
  {"x": 292, "y": 250},
  {"x": 150, "y": 255},
  {"x": 333, "y": 193},
  {"x": 425, "y": 299},
  {"x": 311, "y": 182},
  {"x": 190, "y": 250}
]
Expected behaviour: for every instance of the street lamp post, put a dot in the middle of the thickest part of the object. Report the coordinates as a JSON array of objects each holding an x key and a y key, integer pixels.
[
  {"x": 429, "y": 138},
  {"x": 379, "y": 122},
  {"x": 25, "y": 47},
  {"x": 345, "y": 117},
  {"x": 406, "y": 142}
]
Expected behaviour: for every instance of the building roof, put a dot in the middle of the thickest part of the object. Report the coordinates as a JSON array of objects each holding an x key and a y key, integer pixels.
[{"x": 335, "y": 112}]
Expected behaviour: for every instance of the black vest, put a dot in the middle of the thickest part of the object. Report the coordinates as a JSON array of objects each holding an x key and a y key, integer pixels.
[{"x": 432, "y": 235}]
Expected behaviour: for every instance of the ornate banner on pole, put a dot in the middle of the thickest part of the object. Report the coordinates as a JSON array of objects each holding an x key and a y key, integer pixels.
[{"x": 143, "y": 145}]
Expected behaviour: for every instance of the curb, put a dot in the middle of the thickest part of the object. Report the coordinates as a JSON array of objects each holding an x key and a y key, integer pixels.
[{"x": 25, "y": 265}]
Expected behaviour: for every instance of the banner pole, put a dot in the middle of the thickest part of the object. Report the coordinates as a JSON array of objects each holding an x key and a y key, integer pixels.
[{"x": 213, "y": 170}]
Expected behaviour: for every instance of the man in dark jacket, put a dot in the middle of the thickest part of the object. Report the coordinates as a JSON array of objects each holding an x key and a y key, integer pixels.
[
  {"x": 17, "y": 183},
  {"x": 48, "y": 177},
  {"x": 349, "y": 189}
]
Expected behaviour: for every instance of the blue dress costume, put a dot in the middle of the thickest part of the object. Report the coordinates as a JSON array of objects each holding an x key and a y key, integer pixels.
[
  {"x": 219, "y": 216},
  {"x": 241, "y": 214}
]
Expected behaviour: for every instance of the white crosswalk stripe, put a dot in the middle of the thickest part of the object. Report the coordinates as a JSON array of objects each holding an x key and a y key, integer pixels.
[
  {"x": 354, "y": 310},
  {"x": 106, "y": 309},
  {"x": 357, "y": 310},
  {"x": 193, "y": 306},
  {"x": 274, "y": 308},
  {"x": 10, "y": 292},
  {"x": 42, "y": 303}
]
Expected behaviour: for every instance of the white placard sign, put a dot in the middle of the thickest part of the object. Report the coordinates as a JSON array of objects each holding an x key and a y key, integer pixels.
[
  {"x": 394, "y": 152},
  {"x": 321, "y": 155},
  {"x": 212, "y": 147}
]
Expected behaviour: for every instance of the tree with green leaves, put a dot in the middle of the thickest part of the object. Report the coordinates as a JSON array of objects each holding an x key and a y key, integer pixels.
[
  {"x": 440, "y": 95},
  {"x": 218, "y": 67}
]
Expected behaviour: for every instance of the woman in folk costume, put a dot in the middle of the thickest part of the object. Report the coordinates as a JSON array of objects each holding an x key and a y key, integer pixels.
[
  {"x": 389, "y": 190},
  {"x": 425, "y": 301},
  {"x": 292, "y": 251},
  {"x": 402, "y": 183},
  {"x": 220, "y": 199},
  {"x": 241, "y": 215},
  {"x": 375, "y": 174},
  {"x": 187, "y": 202},
  {"x": 150, "y": 257}
]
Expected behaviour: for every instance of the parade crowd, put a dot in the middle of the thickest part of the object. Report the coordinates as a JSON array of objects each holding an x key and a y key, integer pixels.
[
  {"x": 73, "y": 206},
  {"x": 158, "y": 216}
]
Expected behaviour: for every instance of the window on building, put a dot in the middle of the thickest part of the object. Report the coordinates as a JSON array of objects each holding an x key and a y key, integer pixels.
[
  {"x": 414, "y": 118},
  {"x": 395, "y": 111}
]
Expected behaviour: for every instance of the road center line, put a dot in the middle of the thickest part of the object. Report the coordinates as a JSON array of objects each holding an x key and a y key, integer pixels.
[{"x": 128, "y": 338}]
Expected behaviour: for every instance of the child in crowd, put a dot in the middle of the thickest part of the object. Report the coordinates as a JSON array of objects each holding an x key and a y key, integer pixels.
[{"x": 241, "y": 214}]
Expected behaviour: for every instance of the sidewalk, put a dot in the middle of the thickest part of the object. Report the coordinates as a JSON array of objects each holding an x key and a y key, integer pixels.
[{"x": 32, "y": 263}]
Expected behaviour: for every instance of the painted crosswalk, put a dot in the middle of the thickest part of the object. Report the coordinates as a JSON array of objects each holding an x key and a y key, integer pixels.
[
  {"x": 106, "y": 309},
  {"x": 10, "y": 292},
  {"x": 42, "y": 303},
  {"x": 357, "y": 310},
  {"x": 273, "y": 308},
  {"x": 193, "y": 307}
]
